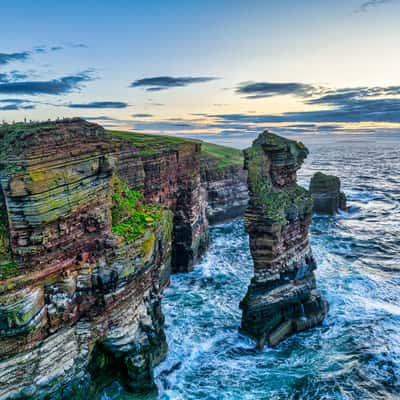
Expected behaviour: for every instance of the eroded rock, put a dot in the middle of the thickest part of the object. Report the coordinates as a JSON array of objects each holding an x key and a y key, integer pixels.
[
  {"x": 326, "y": 194},
  {"x": 282, "y": 297}
]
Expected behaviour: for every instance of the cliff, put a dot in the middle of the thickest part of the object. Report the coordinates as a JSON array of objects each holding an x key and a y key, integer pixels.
[
  {"x": 91, "y": 223},
  {"x": 225, "y": 181},
  {"x": 282, "y": 296},
  {"x": 326, "y": 194},
  {"x": 167, "y": 171}
]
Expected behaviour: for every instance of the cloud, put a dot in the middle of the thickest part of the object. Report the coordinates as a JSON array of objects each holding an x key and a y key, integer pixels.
[
  {"x": 359, "y": 104},
  {"x": 368, "y": 5},
  {"x": 6, "y": 58},
  {"x": 378, "y": 110},
  {"x": 12, "y": 76},
  {"x": 142, "y": 115},
  {"x": 59, "y": 86},
  {"x": 100, "y": 118},
  {"x": 77, "y": 45},
  {"x": 158, "y": 83},
  {"x": 99, "y": 104},
  {"x": 15, "y": 104},
  {"x": 40, "y": 49},
  {"x": 165, "y": 125},
  {"x": 257, "y": 90}
]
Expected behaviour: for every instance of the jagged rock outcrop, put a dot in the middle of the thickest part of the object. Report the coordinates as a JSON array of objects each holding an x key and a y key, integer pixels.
[
  {"x": 282, "y": 297},
  {"x": 326, "y": 194},
  {"x": 226, "y": 185}
]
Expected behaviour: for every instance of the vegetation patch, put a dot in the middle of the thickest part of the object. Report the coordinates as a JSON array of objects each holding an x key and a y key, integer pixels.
[
  {"x": 151, "y": 144},
  {"x": 131, "y": 216},
  {"x": 8, "y": 267},
  {"x": 226, "y": 157},
  {"x": 277, "y": 205},
  {"x": 12, "y": 135}
]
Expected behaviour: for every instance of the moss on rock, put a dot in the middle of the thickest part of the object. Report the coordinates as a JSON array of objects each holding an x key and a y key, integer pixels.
[{"x": 131, "y": 216}]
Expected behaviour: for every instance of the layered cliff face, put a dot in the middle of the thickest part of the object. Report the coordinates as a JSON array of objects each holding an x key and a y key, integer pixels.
[
  {"x": 326, "y": 194},
  {"x": 80, "y": 293},
  {"x": 282, "y": 297},
  {"x": 90, "y": 224},
  {"x": 225, "y": 181},
  {"x": 167, "y": 170}
]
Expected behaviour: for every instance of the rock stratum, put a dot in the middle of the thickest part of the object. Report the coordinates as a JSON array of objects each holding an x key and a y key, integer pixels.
[
  {"x": 92, "y": 223},
  {"x": 282, "y": 297},
  {"x": 326, "y": 194}
]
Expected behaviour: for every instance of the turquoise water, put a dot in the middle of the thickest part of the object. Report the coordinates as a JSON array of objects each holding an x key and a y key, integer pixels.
[{"x": 355, "y": 354}]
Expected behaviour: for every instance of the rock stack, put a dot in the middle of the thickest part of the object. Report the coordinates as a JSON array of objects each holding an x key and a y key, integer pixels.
[
  {"x": 326, "y": 194},
  {"x": 282, "y": 297}
]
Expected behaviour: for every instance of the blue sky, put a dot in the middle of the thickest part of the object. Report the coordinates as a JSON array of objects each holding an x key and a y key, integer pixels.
[{"x": 195, "y": 67}]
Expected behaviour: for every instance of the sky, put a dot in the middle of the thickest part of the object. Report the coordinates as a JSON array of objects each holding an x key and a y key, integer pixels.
[{"x": 228, "y": 68}]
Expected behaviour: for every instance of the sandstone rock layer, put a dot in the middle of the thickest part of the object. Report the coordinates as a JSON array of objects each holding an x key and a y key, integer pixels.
[
  {"x": 80, "y": 293},
  {"x": 227, "y": 194},
  {"x": 282, "y": 297}
]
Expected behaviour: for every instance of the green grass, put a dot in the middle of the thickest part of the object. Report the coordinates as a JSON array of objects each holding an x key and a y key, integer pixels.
[
  {"x": 151, "y": 144},
  {"x": 131, "y": 217},
  {"x": 12, "y": 136},
  {"x": 225, "y": 156}
]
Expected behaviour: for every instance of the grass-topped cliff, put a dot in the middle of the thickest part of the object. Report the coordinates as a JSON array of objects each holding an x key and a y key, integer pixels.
[{"x": 222, "y": 156}]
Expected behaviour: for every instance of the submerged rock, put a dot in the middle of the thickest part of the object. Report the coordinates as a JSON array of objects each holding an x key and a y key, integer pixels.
[
  {"x": 282, "y": 297},
  {"x": 326, "y": 194}
]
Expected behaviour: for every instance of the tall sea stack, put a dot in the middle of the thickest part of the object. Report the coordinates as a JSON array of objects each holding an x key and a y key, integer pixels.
[{"x": 282, "y": 297}]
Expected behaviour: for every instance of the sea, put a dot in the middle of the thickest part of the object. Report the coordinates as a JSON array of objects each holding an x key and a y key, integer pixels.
[{"x": 355, "y": 353}]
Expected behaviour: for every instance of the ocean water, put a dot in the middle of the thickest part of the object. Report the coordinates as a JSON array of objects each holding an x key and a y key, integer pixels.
[{"x": 354, "y": 354}]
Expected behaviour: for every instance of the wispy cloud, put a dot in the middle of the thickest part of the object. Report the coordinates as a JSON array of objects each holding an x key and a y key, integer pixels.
[
  {"x": 6, "y": 58},
  {"x": 99, "y": 104},
  {"x": 158, "y": 83},
  {"x": 370, "y": 4},
  {"x": 100, "y": 118},
  {"x": 359, "y": 104},
  {"x": 59, "y": 86},
  {"x": 77, "y": 45},
  {"x": 257, "y": 90},
  {"x": 142, "y": 115},
  {"x": 15, "y": 104}
]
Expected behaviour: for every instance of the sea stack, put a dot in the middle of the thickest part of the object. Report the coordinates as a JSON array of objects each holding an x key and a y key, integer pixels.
[
  {"x": 326, "y": 194},
  {"x": 282, "y": 297}
]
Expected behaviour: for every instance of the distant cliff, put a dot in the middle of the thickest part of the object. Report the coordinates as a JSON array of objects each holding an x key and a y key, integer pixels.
[
  {"x": 225, "y": 180},
  {"x": 326, "y": 194},
  {"x": 92, "y": 222}
]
